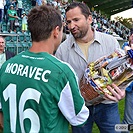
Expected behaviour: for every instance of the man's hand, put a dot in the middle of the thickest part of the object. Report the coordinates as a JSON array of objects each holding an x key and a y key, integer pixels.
[{"x": 117, "y": 93}]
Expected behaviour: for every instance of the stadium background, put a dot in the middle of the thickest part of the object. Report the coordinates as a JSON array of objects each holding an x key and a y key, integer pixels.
[{"x": 18, "y": 41}]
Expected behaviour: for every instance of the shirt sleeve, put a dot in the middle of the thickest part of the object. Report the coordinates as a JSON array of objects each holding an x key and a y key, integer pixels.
[
  {"x": 71, "y": 103},
  {"x": 125, "y": 44}
]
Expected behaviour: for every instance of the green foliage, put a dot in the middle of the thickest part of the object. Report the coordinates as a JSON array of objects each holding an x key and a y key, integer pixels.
[{"x": 128, "y": 22}]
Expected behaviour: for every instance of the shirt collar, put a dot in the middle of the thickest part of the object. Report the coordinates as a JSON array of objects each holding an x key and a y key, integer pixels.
[
  {"x": 97, "y": 38},
  {"x": 73, "y": 42}
]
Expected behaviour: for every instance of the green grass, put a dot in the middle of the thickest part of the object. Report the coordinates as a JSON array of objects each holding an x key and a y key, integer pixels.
[{"x": 121, "y": 111}]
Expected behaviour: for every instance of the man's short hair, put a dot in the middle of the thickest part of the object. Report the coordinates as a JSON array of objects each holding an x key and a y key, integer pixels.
[
  {"x": 42, "y": 20},
  {"x": 85, "y": 10}
]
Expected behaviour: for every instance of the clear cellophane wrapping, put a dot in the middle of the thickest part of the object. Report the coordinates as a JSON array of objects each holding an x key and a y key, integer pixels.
[{"x": 116, "y": 68}]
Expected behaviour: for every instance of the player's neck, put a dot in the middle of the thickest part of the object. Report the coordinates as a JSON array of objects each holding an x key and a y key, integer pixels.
[{"x": 42, "y": 46}]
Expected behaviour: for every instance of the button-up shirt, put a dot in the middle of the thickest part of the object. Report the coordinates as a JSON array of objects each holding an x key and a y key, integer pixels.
[{"x": 70, "y": 52}]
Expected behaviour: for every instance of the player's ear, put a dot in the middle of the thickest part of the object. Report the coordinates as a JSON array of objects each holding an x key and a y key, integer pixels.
[{"x": 56, "y": 31}]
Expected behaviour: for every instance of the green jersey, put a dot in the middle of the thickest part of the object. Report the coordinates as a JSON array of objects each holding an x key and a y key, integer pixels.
[
  {"x": 13, "y": 13},
  {"x": 39, "y": 93}
]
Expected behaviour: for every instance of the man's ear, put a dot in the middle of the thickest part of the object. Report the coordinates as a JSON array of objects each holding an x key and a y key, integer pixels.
[
  {"x": 90, "y": 20},
  {"x": 56, "y": 31}
]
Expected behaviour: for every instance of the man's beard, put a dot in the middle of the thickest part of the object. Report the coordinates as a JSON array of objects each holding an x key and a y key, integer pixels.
[{"x": 80, "y": 34}]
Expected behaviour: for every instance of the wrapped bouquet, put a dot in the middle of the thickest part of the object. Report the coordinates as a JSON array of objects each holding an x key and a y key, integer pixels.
[{"x": 116, "y": 68}]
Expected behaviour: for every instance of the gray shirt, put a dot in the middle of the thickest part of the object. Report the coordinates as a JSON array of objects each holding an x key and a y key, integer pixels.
[{"x": 70, "y": 52}]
